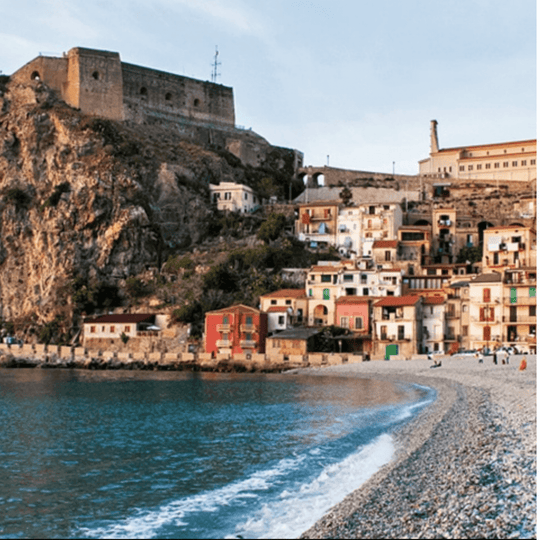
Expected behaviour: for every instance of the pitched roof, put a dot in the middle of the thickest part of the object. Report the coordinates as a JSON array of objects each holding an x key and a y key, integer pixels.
[
  {"x": 286, "y": 293},
  {"x": 354, "y": 299},
  {"x": 277, "y": 309},
  {"x": 124, "y": 318},
  {"x": 325, "y": 268},
  {"x": 409, "y": 300},
  {"x": 237, "y": 308},
  {"x": 385, "y": 244},
  {"x": 297, "y": 333},
  {"x": 434, "y": 300},
  {"x": 487, "y": 278}
]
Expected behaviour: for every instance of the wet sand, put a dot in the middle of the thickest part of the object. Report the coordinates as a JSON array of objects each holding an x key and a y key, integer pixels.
[{"x": 465, "y": 467}]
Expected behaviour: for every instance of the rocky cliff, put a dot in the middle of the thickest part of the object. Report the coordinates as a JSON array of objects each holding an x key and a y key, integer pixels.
[{"x": 86, "y": 202}]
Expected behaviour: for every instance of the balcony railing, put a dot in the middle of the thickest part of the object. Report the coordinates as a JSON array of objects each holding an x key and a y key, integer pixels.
[
  {"x": 223, "y": 327},
  {"x": 519, "y": 319},
  {"x": 247, "y": 328},
  {"x": 248, "y": 344},
  {"x": 520, "y": 300},
  {"x": 222, "y": 343}
]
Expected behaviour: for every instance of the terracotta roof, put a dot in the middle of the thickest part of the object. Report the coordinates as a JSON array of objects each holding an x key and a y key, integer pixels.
[
  {"x": 286, "y": 293},
  {"x": 434, "y": 300},
  {"x": 385, "y": 244},
  {"x": 276, "y": 309},
  {"x": 487, "y": 278},
  {"x": 354, "y": 299},
  {"x": 388, "y": 301},
  {"x": 325, "y": 268},
  {"x": 123, "y": 318}
]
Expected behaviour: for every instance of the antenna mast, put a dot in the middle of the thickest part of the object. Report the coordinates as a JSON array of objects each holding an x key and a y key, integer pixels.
[{"x": 215, "y": 65}]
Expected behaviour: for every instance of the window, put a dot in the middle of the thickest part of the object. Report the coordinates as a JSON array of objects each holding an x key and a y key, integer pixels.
[
  {"x": 496, "y": 165},
  {"x": 227, "y": 196},
  {"x": 533, "y": 161},
  {"x": 112, "y": 329},
  {"x": 326, "y": 278},
  {"x": 488, "y": 165},
  {"x": 505, "y": 163},
  {"x": 348, "y": 278},
  {"x": 462, "y": 167},
  {"x": 143, "y": 92},
  {"x": 465, "y": 308},
  {"x": 225, "y": 319},
  {"x": 479, "y": 167},
  {"x": 358, "y": 323},
  {"x": 326, "y": 294},
  {"x": 365, "y": 291},
  {"x": 245, "y": 196},
  {"x": 532, "y": 311},
  {"x": 196, "y": 102},
  {"x": 273, "y": 302},
  {"x": 249, "y": 336},
  {"x": 288, "y": 302},
  {"x": 281, "y": 319},
  {"x": 487, "y": 333},
  {"x": 523, "y": 162},
  {"x": 470, "y": 167},
  {"x": 464, "y": 330},
  {"x": 514, "y": 163},
  {"x": 310, "y": 292},
  {"x": 487, "y": 295},
  {"x": 225, "y": 336},
  {"x": 249, "y": 320},
  {"x": 95, "y": 75},
  {"x": 532, "y": 292},
  {"x": 387, "y": 255},
  {"x": 92, "y": 329},
  {"x": 384, "y": 332},
  {"x": 126, "y": 329},
  {"x": 532, "y": 330},
  {"x": 344, "y": 322},
  {"x": 401, "y": 332}
]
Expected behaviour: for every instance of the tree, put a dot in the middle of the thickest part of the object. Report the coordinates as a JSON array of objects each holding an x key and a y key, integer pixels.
[
  {"x": 471, "y": 254},
  {"x": 272, "y": 227},
  {"x": 346, "y": 195}
]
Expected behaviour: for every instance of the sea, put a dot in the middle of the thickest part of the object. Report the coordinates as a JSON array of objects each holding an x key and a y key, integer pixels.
[{"x": 124, "y": 454}]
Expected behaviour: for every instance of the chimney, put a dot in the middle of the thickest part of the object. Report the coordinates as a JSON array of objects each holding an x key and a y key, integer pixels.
[{"x": 434, "y": 138}]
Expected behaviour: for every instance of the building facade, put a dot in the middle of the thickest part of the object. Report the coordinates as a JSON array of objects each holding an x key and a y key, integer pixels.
[
  {"x": 512, "y": 161},
  {"x": 232, "y": 197}
]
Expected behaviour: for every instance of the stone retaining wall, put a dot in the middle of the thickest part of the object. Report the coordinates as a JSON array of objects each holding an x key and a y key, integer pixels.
[{"x": 80, "y": 356}]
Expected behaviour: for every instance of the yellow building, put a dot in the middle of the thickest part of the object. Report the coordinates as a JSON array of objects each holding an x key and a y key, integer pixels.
[
  {"x": 508, "y": 247},
  {"x": 513, "y": 161}
]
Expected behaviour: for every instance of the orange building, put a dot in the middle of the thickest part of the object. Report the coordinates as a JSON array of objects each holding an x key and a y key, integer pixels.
[{"x": 235, "y": 329}]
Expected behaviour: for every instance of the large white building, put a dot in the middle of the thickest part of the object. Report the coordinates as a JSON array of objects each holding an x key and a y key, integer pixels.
[
  {"x": 501, "y": 161},
  {"x": 234, "y": 197}
]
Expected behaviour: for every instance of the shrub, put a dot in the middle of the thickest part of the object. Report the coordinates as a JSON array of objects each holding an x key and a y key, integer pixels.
[
  {"x": 18, "y": 197},
  {"x": 272, "y": 227}
]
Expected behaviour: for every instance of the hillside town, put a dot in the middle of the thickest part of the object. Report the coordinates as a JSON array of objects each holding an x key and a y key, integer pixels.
[{"x": 404, "y": 285}]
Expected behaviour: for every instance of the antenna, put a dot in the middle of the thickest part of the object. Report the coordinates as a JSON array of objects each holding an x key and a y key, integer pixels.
[{"x": 215, "y": 65}]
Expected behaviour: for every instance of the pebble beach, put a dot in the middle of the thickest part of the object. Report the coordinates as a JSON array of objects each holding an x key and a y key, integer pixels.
[{"x": 465, "y": 467}]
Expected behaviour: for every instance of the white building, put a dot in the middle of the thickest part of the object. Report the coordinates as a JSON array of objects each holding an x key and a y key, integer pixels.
[
  {"x": 234, "y": 197},
  {"x": 433, "y": 309}
]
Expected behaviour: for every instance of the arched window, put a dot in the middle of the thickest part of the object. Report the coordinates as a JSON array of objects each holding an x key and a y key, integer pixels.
[
  {"x": 95, "y": 75},
  {"x": 196, "y": 102},
  {"x": 168, "y": 96},
  {"x": 143, "y": 91},
  {"x": 35, "y": 76},
  {"x": 225, "y": 319}
]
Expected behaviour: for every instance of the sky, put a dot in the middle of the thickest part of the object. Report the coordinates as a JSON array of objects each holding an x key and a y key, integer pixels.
[{"x": 350, "y": 83}]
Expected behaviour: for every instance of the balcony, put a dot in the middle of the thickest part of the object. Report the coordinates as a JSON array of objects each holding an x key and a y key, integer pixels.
[
  {"x": 223, "y": 327},
  {"x": 248, "y": 328},
  {"x": 223, "y": 344},
  {"x": 520, "y": 301},
  {"x": 519, "y": 319},
  {"x": 248, "y": 344}
]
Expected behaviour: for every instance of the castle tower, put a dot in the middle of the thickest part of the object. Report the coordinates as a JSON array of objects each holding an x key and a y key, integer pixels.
[
  {"x": 434, "y": 137},
  {"x": 94, "y": 82}
]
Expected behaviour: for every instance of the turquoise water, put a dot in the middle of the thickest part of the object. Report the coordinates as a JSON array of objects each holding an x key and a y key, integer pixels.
[{"x": 183, "y": 455}]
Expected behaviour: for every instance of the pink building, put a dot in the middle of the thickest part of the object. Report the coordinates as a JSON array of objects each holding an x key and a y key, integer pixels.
[{"x": 354, "y": 313}]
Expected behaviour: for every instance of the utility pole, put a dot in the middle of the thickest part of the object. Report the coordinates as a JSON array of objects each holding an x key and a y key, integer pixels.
[{"x": 215, "y": 66}]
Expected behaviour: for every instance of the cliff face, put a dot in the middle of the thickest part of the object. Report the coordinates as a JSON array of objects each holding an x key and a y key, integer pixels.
[{"x": 90, "y": 200}]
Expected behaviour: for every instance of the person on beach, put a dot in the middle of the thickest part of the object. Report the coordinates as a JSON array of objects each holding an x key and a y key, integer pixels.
[
  {"x": 479, "y": 357},
  {"x": 523, "y": 365}
]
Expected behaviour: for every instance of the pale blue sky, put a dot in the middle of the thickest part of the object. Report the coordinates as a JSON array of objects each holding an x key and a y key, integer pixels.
[{"x": 356, "y": 80}]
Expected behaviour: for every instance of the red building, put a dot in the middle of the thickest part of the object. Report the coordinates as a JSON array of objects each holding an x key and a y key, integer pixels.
[
  {"x": 235, "y": 329},
  {"x": 354, "y": 313}
]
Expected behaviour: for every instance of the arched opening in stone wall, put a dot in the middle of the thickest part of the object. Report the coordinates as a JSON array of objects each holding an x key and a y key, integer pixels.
[
  {"x": 320, "y": 315},
  {"x": 304, "y": 178},
  {"x": 35, "y": 76},
  {"x": 422, "y": 223},
  {"x": 319, "y": 179},
  {"x": 168, "y": 96},
  {"x": 143, "y": 92},
  {"x": 196, "y": 102},
  {"x": 95, "y": 75}
]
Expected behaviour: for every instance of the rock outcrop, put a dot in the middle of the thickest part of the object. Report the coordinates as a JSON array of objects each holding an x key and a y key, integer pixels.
[{"x": 85, "y": 200}]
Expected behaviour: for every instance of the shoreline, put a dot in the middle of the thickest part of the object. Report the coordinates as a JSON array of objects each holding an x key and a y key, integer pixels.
[{"x": 465, "y": 466}]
